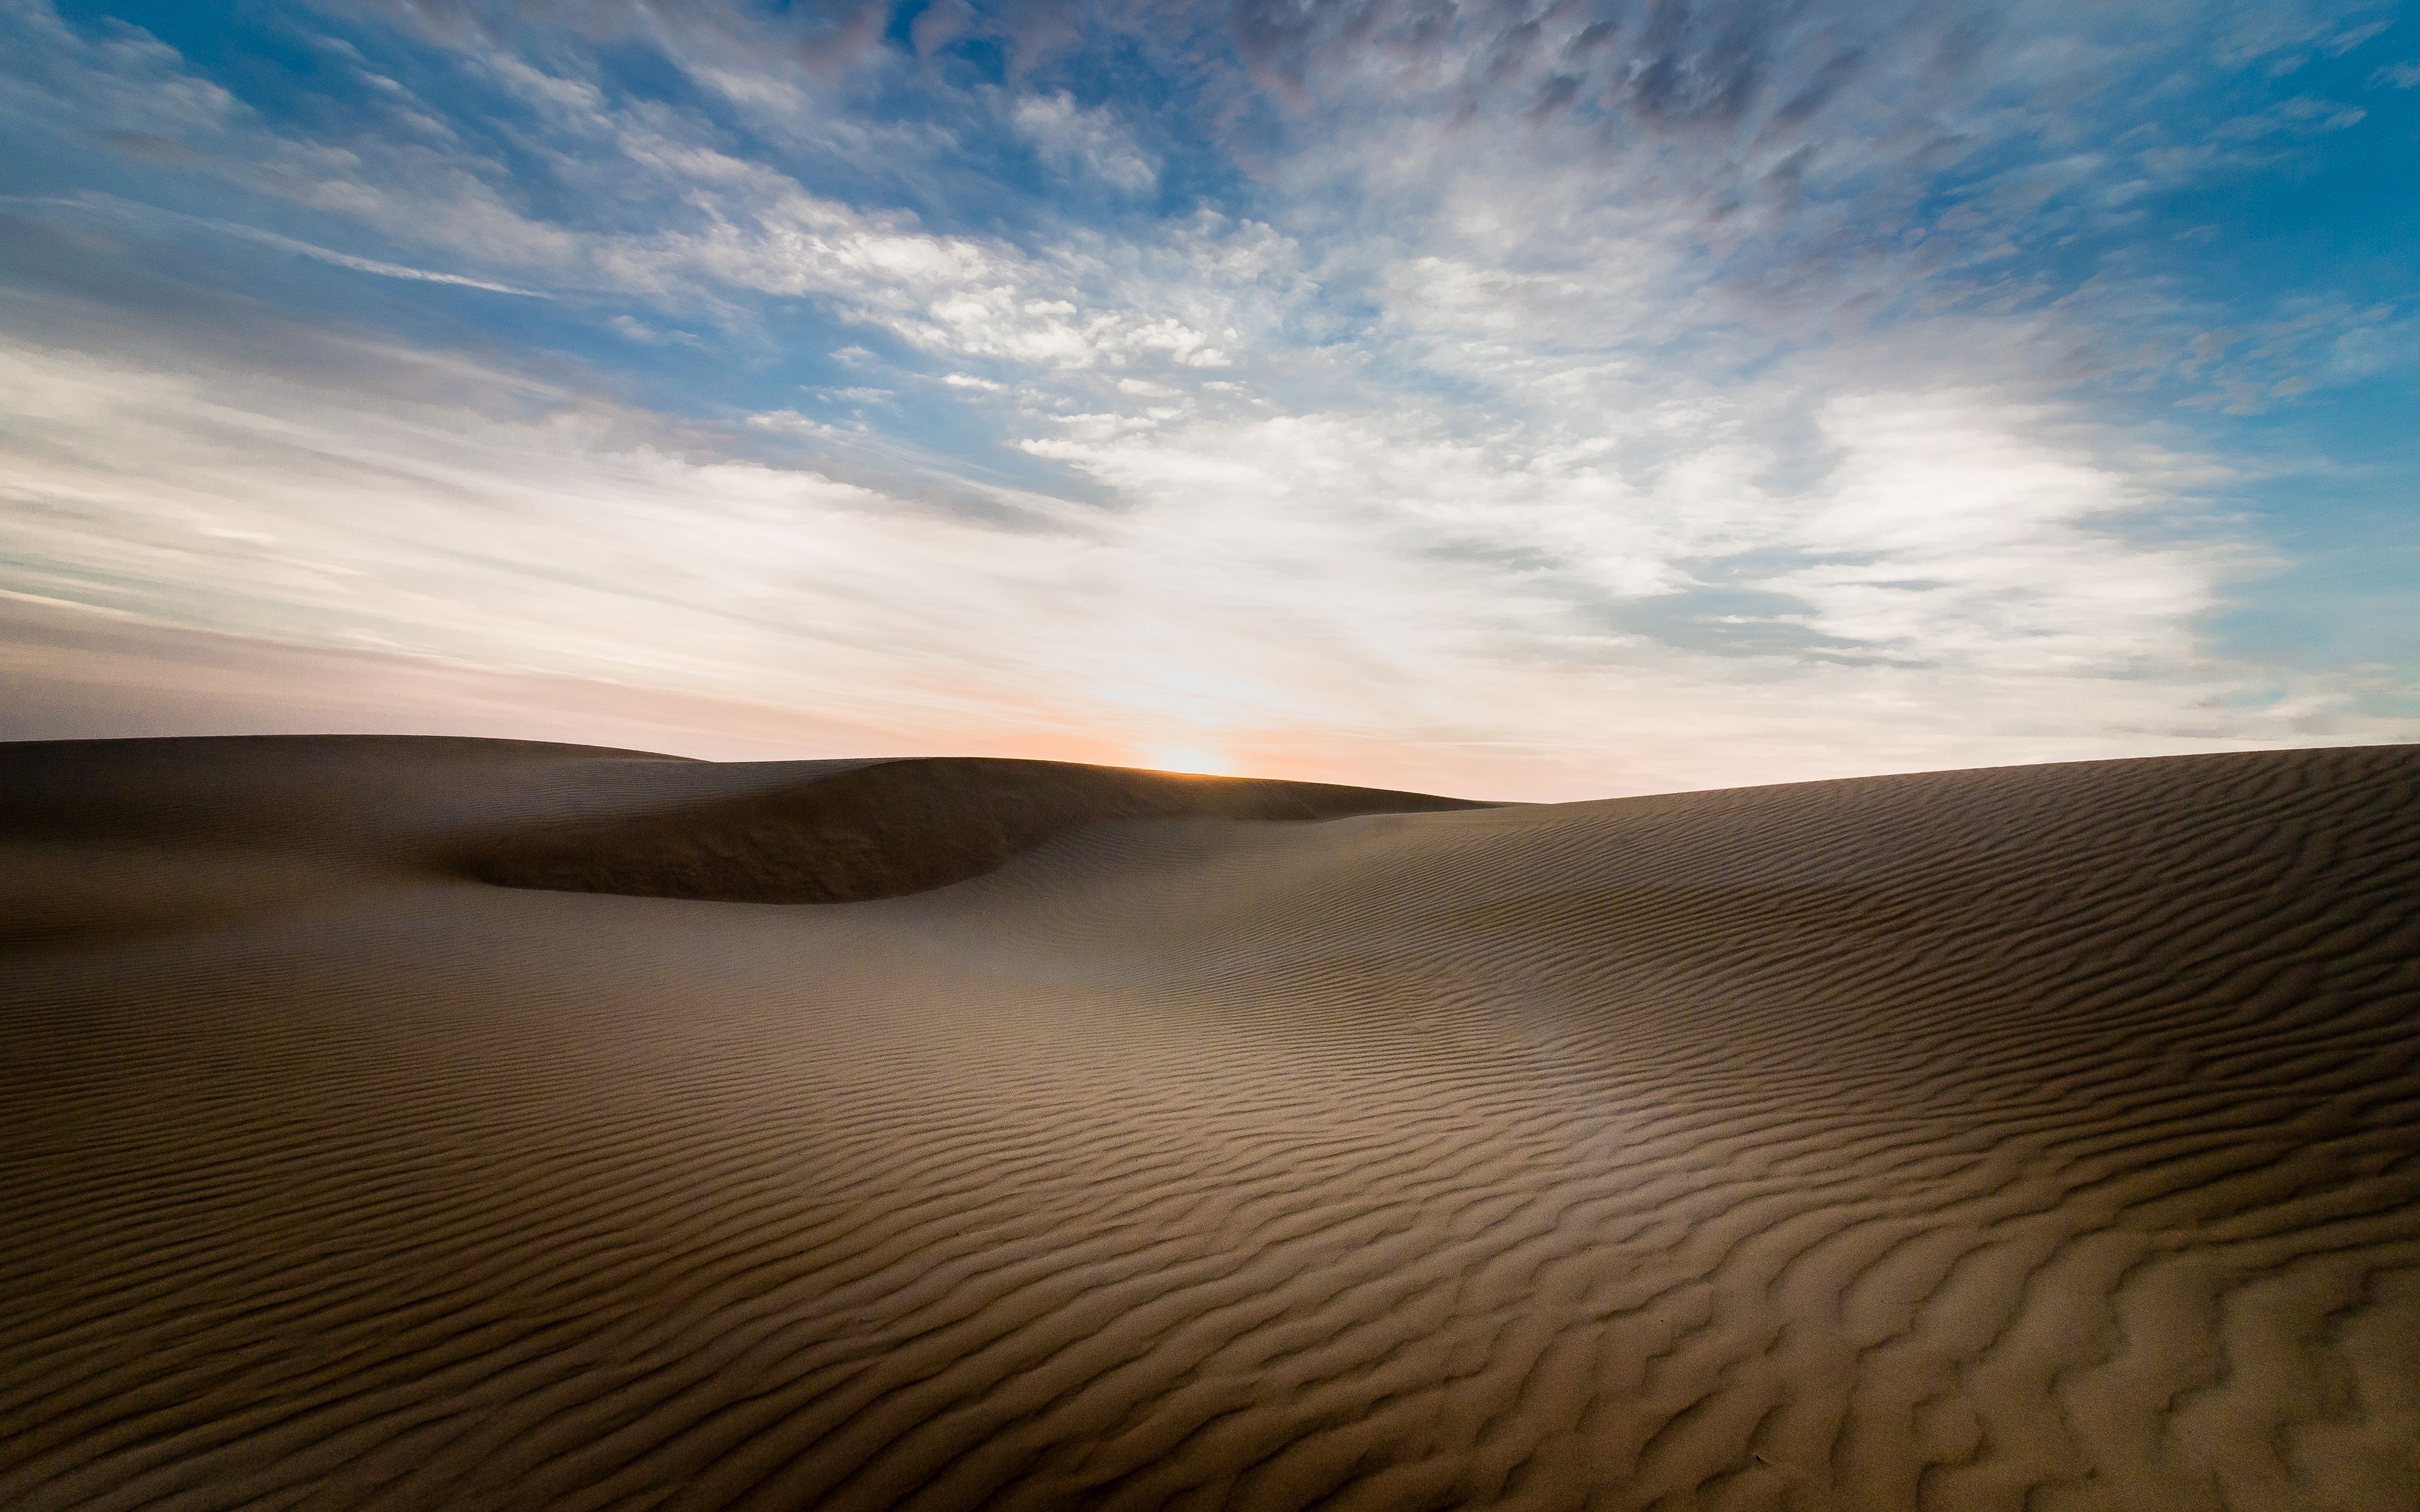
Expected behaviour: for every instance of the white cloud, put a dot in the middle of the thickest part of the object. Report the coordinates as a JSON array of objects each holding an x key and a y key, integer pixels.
[
  {"x": 114, "y": 208},
  {"x": 1078, "y": 140},
  {"x": 580, "y": 539},
  {"x": 1519, "y": 470},
  {"x": 1955, "y": 532},
  {"x": 739, "y": 226},
  {"x": 636, "y": 329},
  {"x": 1323, "y": 591}
]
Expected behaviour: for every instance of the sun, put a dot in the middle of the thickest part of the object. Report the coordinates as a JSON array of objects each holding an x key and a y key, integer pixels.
[{"x": 1199, "y": 761}]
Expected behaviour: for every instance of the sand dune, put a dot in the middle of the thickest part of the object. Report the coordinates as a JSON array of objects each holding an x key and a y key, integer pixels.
[
  {"x": 881, "y": 829},
  {"x": 2039, "y": 1137}
]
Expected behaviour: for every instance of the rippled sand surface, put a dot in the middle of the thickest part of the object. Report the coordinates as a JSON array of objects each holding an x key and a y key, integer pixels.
[{"x": 2028, "y": 1138}]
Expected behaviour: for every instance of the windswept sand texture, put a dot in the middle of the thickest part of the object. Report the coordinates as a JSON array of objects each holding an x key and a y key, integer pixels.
[{"x": 2042, "y": 1137}]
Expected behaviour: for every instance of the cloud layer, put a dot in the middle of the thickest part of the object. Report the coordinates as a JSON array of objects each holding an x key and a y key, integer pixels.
[{"x": 1532, "y": 399}]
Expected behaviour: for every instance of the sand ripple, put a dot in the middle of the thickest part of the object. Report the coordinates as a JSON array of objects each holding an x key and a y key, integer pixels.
[{"x": 2040, "y": 1137}]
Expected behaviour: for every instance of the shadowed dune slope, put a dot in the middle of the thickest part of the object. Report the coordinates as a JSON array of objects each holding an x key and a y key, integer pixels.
[
  {"x": 884, "y": 828},
  {"x": 100, "y": 839},
  {"x": 2034, "y": 1138}
]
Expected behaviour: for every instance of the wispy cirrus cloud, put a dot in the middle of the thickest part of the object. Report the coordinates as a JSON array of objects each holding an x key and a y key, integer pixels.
[
  {"x": 1567, "y": 397},
  {"x": 1086, "y": 142},
  {"x": 110, "y": 205}
]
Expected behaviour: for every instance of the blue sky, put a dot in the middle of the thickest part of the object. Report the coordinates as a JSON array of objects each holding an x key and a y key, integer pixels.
[{"x": 1532, "y": 399}]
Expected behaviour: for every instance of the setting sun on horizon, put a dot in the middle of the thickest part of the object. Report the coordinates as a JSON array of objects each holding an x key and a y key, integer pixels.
[
  {"x": 1802, "y": 613},
  {"x": 1193, "y": 761}
]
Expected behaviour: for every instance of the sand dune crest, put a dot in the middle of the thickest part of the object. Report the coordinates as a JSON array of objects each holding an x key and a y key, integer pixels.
[
  {"x": 2045, "y": 1138},
  {"x": 883, "y": 829}
]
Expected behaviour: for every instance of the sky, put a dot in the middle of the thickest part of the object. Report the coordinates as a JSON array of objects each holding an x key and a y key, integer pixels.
[{"x": 1516, "y": 399}]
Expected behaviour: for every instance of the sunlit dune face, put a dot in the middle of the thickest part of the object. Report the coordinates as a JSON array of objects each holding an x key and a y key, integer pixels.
[{"x": 1199, "y": 761}]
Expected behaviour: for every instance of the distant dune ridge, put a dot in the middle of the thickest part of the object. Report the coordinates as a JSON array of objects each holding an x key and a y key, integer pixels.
[
  {"x": 2034, "y": 1138},
  {"x": 884, "y": 828}
]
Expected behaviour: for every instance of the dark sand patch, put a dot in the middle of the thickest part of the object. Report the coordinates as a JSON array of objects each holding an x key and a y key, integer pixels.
[{"x": 885, "y": 829}]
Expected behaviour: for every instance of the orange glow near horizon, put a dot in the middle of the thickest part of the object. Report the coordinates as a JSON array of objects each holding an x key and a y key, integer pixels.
[{"x": 1195, "y": 760}]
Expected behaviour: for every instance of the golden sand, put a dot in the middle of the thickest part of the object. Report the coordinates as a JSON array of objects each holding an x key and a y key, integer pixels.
[{"x": 2027, "y": 1138}]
